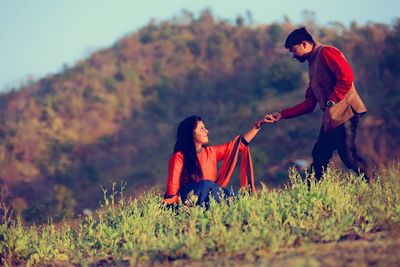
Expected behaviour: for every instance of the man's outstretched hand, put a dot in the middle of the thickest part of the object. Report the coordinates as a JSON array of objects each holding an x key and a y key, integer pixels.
[{"x": 273, "y": 118}]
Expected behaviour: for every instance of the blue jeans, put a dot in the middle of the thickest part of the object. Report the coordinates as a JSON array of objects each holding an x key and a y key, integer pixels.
[{"x": 204, "y": 189}]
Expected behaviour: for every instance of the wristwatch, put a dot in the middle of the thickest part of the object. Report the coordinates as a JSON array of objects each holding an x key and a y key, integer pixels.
[{"x": 330, "y": 103}]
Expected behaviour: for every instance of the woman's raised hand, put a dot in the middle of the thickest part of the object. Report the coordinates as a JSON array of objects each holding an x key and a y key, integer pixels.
[{"x": 260, "y": 123}]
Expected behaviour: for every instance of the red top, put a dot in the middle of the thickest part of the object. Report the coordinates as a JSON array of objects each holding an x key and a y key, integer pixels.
[
  {"x": 339, "y": 67},
  {"x": 208, "y": 159}
]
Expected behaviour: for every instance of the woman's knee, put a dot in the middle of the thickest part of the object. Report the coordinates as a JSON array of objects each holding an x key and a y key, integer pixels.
[{"x": 205, "y": 184}]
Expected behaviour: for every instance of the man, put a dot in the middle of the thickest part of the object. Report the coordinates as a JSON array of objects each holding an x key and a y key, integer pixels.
[{"x": 331, "y": 86}]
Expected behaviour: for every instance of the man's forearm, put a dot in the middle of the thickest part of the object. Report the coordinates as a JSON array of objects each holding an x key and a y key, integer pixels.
[{"x": 298, "y": 110}]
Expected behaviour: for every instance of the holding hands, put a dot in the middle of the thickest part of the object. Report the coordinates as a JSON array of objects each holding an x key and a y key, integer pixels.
[
  {"x": 272, "y": 118},
  {"x": 269, "y": 118}
]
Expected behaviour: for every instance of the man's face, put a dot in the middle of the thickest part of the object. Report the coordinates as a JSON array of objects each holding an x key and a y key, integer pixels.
[{"x": 300, "y": 51}]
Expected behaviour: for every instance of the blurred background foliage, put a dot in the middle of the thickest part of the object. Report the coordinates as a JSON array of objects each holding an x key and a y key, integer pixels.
[{"x": 114, "y": 115}]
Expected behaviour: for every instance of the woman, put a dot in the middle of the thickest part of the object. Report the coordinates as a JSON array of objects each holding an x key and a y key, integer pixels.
[{"x": 193, "y": 166}]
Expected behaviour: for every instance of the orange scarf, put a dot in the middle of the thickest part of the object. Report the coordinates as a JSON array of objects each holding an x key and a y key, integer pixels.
[{"x": 246, "y": 166}]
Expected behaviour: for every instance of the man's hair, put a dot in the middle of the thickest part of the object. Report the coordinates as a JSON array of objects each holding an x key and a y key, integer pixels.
[{"x": 297, "y": 36}]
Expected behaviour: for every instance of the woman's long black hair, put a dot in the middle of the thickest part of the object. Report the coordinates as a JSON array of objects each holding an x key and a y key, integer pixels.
[{"x": 185, "y": 144}]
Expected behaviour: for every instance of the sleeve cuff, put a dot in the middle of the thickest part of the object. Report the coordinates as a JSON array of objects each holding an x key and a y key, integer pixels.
[
  {"x": 283, "y": 114},
  {"x": 244, "y": 141},
  {"x": 335, "y": 98},
  {"x": 171, "y": 199}
]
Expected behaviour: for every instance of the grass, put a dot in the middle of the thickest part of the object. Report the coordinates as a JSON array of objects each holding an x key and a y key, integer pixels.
[{"x": 141, "y": 231}]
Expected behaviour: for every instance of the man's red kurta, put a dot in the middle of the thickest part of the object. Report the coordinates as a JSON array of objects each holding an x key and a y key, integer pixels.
[{"x": 343, "y": 73}]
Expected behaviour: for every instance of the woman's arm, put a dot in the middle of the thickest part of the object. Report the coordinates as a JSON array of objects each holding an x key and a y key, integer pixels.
[
  {"x": 222, "y": 151},
  {"x": 174, "y": 178},
  {"x": 250, "y": 134}
]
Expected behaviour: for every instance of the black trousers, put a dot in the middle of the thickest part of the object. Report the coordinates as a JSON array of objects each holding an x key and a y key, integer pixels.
[{"x": 341, "y": 138}]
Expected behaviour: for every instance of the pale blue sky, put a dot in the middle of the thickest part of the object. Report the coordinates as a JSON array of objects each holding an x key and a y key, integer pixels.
[{"x": 38, "y": 36}]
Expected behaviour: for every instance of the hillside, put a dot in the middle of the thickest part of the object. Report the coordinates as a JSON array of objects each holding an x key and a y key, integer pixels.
[{"x": 113, "y": 116}]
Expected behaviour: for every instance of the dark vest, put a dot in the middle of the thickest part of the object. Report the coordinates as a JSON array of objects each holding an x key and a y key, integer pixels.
[{"x": 322, "y": 82}]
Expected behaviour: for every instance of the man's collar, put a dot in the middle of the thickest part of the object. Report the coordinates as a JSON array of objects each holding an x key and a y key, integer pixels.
[{"x": 313, "y": 53}]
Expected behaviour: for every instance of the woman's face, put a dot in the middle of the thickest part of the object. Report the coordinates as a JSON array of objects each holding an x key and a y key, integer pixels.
[{"x": 200, "y": 134}]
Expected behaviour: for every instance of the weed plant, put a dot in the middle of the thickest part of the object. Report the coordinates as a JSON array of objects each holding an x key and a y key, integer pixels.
[{"x": 143, "y": 230}]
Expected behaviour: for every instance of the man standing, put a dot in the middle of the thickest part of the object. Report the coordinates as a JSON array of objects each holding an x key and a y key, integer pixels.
[{"x": 331, "y": 85}]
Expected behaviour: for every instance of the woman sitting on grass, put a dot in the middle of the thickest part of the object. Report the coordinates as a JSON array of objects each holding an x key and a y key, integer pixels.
[{"x": 193, "y": 165}]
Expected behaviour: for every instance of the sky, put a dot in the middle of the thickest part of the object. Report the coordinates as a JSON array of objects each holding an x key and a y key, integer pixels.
[{"x": 38, "y": 37}]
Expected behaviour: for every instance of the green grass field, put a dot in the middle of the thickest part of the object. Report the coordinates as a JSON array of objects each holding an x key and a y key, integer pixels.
[{"x": 291, "y": 223}]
